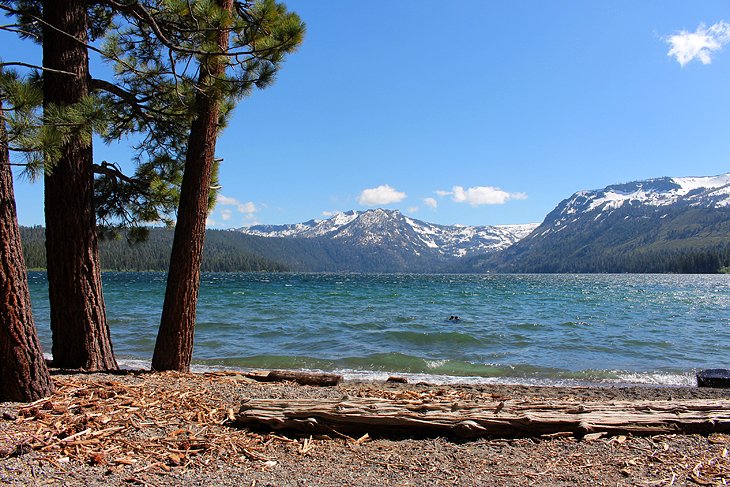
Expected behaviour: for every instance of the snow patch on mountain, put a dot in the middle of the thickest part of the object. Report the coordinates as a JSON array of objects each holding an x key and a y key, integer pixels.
[
  {"x": 707, "y": 192},
  {"x": 689, "y": 184},
  {"x": 650, "y": 193}
]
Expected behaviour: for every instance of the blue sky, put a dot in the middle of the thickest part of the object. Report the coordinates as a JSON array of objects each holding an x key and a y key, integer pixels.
[{"x": 472, "y": 112}]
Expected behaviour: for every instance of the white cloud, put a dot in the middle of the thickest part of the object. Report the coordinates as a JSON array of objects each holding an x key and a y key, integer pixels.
[
  {"x": 382, "y": 195},
  {"x": 413, "y": 209},
  {"x": 225, "y": 200},
  {"x": 328, "y": 214},
  {"x": 481, "y": 195},
  {"x": 700, "y": 44},
  {"x": 430, "y": 202},
  {"x": 247, "y": 208},
  {"x": 226, "y": 215}
]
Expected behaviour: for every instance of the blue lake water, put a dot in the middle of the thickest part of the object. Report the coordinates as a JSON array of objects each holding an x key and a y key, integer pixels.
[{"x": 555, "y": 329}]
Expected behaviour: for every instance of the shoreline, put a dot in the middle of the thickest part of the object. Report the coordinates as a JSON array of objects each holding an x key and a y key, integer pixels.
[
  {"x": 646, "y": 379},
  {"x": 144, "y": 428}
]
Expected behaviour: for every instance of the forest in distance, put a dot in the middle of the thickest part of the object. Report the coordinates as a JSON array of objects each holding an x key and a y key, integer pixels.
[
  {"x": 222, "y": 253},
  {"x": 230, "y": 251}
]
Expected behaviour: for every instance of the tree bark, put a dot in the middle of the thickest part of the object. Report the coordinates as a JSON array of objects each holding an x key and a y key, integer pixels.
[
  {"x": 174, "y": 345},
  {"x": 23, "y": 372},
  {"x": 81, "y": 337}
]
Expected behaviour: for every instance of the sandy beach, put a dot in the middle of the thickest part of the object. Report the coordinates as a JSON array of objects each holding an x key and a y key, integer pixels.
[{"x": 174, "y": 429}]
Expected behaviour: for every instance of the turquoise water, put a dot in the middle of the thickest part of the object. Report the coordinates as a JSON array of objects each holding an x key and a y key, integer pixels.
[{"x": 513, "y": 328}]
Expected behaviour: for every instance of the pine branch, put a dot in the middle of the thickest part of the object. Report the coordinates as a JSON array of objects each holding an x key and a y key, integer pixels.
[
  {"x": 62, "y": 32},
  {"x": 34, "y": 66},
  {"x": 14, "y": 28},
  {"x": 14, "y": 164},
  {"x": 13, "y": 11},
  {"x": 10, "y": 26},
  {"x": 190, "y": 11},
  {"x": 130, "y": 98},
  {"x": 141, "y": 13},
  {"x": 113, "y": 171}
]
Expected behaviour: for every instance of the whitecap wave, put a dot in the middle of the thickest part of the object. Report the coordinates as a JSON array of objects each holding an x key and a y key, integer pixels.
[{"x": 620, "y": 378}]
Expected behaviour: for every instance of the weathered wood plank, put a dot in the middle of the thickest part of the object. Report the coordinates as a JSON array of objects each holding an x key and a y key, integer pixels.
[
  {"x": 305, "y": 378},
  {"x": 507, "y": 418}
]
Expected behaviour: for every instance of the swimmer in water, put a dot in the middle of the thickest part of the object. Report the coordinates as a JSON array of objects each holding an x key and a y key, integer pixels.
[{"x": 454, "y": 318}]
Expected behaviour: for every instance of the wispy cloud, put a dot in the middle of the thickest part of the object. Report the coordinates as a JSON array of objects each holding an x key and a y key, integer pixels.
[
  {"x": 430, "y": 202},
  {"x": 227, "y": 207},
  {"x": 700, "y": 44},
  {"x": 247, "y": 208},
  {"x": 481, "y": 195},
  {"x": 382, "y": 195}
]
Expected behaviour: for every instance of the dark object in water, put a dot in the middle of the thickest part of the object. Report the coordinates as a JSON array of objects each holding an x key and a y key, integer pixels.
[
  {"x": 719, "y": 378},
  {"x": 454, "y": 318}
]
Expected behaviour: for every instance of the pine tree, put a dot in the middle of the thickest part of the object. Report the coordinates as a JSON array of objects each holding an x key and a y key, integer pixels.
[
  {"x": 23, "y": 372},
  {"x": 174, "y": 346},
  {"x": 81, "y": 337},
  {"x": 208, "y": 55},
  {"x": 232, "y": 48}
]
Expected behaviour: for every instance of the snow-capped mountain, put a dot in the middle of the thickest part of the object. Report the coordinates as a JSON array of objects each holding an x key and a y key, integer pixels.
[
  {"x": 308, "y": 229},
  {"x": 382, "y": 228},
  {"x": 697, "y": 192},
  {"x": 656, "y": 225}
]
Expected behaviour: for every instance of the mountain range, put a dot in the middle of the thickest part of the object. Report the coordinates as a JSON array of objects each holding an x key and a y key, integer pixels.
[
  {"x": 657, "y": 225},
  {"x": 377, "y": 240},
  {"x": 382, "y": 228}
]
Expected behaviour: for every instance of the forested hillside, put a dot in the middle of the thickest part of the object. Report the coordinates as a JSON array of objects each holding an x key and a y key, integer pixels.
[
  {"x": 631, "y": 239},
  {"x": 225, "y": 251}
]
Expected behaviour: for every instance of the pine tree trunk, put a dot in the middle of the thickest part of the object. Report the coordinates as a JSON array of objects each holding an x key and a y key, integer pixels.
[
  {"x": 23, "y": 372},
  {"x": 174, "y": 346},
  {"x": 80, "y": 331}
]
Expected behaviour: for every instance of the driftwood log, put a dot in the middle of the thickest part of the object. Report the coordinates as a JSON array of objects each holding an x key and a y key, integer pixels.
[
  {"x": 304, "y": 378},
  {"x": 503, "y": 419}
]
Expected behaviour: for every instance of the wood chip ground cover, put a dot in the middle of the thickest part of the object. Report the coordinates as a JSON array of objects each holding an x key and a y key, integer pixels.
[{"x": 174, "y": 429}]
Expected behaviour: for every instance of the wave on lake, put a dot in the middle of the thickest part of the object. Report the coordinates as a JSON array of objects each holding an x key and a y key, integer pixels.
[{"x": 518, "y": 329}]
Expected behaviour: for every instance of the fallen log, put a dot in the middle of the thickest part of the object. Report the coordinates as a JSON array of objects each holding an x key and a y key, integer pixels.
[
  {"x": 502, "y": 419},
  {"x": 304, "y": 378}
]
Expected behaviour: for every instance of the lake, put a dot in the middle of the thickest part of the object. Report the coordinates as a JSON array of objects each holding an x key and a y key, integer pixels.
[{"x": 530, "y": 329}]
